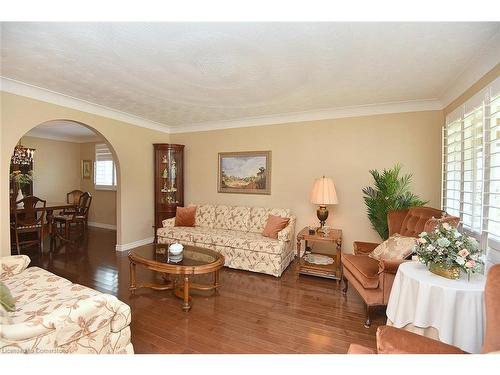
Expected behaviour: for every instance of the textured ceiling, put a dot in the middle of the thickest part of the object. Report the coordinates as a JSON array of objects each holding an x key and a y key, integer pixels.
[
  {"x": 64, "y": 130},
  {"x": 184, "y": 73}
]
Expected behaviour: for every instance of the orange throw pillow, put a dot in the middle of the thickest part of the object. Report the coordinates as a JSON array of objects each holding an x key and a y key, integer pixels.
[
  {"x": 185, "y": 216},
  {"x": 274, "y": 225}
]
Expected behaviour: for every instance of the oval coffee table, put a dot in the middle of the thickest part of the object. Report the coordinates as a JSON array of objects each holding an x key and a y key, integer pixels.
[{"x": 193, "y": 261}]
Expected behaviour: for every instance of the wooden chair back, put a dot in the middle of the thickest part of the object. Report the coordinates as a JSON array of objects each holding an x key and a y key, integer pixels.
[
  {"x": 84, "y": 204},
  {"x": 28, "y": 215},
  {"x": 73, "y": 197}
]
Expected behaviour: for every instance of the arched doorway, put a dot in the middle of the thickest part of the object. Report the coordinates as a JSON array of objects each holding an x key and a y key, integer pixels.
[{"x": 66, "y": 144}]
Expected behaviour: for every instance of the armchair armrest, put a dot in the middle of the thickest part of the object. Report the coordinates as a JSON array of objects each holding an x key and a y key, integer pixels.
[
  {"x": 365, "y": 248},
  {"x": 12, "y": 265},
  {"x": 287, "y": 233},
  {"x": 391, "y": 340},
  {"x": 390, "y": 265},
  {"x": 168, "y": 222}
]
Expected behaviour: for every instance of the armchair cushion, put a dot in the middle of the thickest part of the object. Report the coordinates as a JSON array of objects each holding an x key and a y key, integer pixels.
[
  {"x": 364, "y": 247},
  {"x": 363, "y": 268},
  {"x": 414, "y": 221},
  {"x": 395, "y": 247},
  {"x": 360, "y": 349},
  {"x": 390, "y": 265},
  {"x": 391, "y": 340}
]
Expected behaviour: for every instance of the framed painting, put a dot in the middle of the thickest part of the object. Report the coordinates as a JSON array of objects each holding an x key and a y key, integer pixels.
[
  {"x": 244, "y": 172},
  {"x": 86, "y": 169}
]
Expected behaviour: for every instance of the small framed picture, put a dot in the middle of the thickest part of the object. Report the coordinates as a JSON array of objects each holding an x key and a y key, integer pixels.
[{"x": 86, "y": 169}]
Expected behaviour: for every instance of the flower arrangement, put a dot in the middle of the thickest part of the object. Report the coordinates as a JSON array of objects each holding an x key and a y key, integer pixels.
[{"x": 445, "y": 248}]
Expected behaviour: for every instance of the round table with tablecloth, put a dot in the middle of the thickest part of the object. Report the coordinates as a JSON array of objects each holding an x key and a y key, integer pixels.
[{"x": 451, "y": 311}]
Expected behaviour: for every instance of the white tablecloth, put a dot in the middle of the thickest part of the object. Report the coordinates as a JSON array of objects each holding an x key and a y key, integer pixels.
[{"x": 455, "y": 308}]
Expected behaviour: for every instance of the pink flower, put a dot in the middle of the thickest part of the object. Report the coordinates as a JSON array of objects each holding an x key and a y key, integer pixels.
[
  {"x": 422, "y": 240},
  {"x": 446, "y": 226},
  {"x": 470, "y": 264},
  {"x": 463, "y": 253}
]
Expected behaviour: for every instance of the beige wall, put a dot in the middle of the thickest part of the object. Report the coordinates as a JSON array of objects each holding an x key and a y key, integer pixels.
[
  {"x": 131, "y": 144},
  {"x": 55, "y": 168},
  {"x": 344, "y": 149},
  {"x": 103, "y": 207}
]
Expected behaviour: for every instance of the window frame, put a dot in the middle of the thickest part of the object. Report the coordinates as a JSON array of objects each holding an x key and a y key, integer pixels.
[{"x": 113, "y": 186}]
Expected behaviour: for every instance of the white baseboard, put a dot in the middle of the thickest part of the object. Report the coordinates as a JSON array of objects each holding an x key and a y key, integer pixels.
[
  {"x": 131, "y": 245},
  {"x": 102, "y": 225}
]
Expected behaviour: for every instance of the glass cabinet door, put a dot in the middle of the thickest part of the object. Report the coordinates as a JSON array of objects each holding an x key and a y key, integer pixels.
[{"x": 170, "y": 189}]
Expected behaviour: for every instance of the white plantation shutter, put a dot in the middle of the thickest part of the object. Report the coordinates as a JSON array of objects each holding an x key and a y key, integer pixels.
[
  {"x": 471, "y": 168},
  {"x": 105, "y": 170}
]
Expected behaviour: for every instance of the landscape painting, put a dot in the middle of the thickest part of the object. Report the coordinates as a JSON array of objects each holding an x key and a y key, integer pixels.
[{"x": 245, "y": 172}]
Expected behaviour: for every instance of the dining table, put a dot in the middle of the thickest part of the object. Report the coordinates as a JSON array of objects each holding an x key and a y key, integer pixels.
[{"x": 49, "y": 209}]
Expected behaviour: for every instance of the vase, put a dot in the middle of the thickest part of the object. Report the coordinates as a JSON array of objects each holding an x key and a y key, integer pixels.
[
  {"x": 452, "y": 272},
  {"x": 18, "y": 198}
]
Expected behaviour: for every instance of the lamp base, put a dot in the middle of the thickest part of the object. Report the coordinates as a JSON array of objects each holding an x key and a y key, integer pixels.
[{"x": 322, "y": 214}]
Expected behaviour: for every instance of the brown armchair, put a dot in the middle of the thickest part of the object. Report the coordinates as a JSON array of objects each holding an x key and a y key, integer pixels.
[
  {"x": 372, "y": 278},
  {"x": 391, "y": 340}
]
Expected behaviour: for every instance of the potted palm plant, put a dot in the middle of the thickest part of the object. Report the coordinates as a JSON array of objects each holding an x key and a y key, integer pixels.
[
  {"x": 19, "y": 180},
  {"x": 391, "y": 192}
]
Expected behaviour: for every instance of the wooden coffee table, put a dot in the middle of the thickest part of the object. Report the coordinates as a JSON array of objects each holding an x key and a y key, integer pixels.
[{"x": 177, "y": 271}]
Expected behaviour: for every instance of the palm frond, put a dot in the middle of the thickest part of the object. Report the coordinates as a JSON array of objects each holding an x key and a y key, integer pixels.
[{"x": 391, "y": 192}]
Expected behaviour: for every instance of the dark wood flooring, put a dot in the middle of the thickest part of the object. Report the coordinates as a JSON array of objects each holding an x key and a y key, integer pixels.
[{"x": 253, "y": 313}]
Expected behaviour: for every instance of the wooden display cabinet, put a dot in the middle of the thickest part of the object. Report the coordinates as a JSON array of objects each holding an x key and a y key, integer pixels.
[{"x": 168, "y": 181}]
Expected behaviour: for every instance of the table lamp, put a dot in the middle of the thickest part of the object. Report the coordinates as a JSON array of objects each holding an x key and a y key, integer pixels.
[{"x": 323, "y": 193}]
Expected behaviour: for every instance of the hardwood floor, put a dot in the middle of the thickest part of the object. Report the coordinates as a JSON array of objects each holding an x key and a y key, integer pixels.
[{"x": 253, "y": 313}]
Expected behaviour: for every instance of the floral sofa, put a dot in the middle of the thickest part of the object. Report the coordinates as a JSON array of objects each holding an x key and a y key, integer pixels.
[
  {"x": 53, "y": 315},
  {"x": 235, "y": 232}
]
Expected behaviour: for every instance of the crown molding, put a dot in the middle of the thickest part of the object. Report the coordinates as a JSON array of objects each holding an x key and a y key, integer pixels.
[
  {"x": 484, "y": 61},
  {"x": 24, "y": 89},
  {"x": 37, "y": 133},
  {"x": 324, "y": 114}
]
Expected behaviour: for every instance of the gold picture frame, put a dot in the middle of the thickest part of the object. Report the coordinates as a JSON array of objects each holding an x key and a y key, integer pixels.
[
  {"x": 244, "y": 172},
  {"x": 86, "y": 169}
]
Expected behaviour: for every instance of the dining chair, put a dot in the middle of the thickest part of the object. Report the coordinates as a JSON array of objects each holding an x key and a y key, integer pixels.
[
  {"x": 28, "y": 218},
  {"x": 79, "y": 217},
  {"x": 73, "y": 197}
]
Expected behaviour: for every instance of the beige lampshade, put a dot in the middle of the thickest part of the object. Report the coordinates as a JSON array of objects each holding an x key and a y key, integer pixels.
[{"x": 323, "y": 192}]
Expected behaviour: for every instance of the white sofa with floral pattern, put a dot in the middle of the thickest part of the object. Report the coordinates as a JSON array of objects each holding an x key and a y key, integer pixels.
[
  {"x": 235, "y": 232},
  {"x": 53, "y": 315}
]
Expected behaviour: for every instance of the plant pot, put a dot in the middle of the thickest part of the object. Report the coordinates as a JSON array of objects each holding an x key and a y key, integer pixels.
[{"x": 452, "y": 272}]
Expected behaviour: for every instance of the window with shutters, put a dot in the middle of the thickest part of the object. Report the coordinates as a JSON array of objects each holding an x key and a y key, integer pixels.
[
  {"x": 471, "y": 168},
  {"x": 105, "y": 169}
]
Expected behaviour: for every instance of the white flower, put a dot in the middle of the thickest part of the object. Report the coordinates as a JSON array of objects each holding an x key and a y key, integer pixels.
[
  {"x": 460, "y": 260},
  {"x": 422, "y": 240},
  {"x": 443, "y": 242},
  {"x": 457, "y": 234},
  {"x": 430, "y": 247},
  {"x": 423, "y": 234}
]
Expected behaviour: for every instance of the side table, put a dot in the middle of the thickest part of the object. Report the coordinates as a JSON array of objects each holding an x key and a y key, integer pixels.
[{"x": 331, "y": 271}]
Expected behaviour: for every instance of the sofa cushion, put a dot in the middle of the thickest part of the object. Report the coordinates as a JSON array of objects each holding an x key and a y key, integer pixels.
[
  {"x": 205, "y": 215},
  {"x": 363, "y": 268},
  {"x": 274, "y": 225},
  {"x": 235, "y": 218},
  {"x": 185, "y": 216},
  {"x": 259, "y": 215},
  {"x": 223, "y": 237},
  {"x": 395, "y": 247}
]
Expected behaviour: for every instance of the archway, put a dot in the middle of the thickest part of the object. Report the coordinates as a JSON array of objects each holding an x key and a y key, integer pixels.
[{"x": 99, "y": 138}]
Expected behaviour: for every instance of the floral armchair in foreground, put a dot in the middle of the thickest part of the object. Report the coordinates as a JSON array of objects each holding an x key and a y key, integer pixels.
[{"x": 53, "y": 315}]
